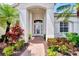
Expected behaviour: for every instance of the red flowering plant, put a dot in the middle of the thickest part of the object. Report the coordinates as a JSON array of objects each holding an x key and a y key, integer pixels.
[{"x": 15, "y": 32}]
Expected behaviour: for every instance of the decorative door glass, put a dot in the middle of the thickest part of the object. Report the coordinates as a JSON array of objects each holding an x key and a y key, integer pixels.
[{"x": 37, "y": 28}]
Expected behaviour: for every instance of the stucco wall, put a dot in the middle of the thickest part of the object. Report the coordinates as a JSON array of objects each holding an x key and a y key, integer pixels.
[
  {"x": 24, "y": 20},
  {"x": 73, "y": 25},
  {"x": 49, "y": 23}
]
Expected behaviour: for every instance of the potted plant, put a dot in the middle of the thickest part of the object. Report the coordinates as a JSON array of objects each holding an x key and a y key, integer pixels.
[
  {"x": 45, "y": 36},
  {"x": 30, "y": 36}
]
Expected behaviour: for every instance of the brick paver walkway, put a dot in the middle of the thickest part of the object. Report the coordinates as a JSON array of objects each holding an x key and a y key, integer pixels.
[{"x": 37, "y": 47}]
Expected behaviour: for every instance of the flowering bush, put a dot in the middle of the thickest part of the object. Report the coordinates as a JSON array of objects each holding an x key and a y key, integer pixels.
[{"x": 15, "y": 32}]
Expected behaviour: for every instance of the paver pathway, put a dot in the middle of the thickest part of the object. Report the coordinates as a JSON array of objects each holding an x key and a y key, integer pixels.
[{"x": 37, "y": 47}]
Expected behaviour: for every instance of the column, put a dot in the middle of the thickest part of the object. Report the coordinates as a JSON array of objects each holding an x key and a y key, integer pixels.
[
  {"x": 44, "y": 24},
  {"x": 30, "y": 23},
  {"x": 49, "y": 23},
  {"x": 24, "y": 22}
]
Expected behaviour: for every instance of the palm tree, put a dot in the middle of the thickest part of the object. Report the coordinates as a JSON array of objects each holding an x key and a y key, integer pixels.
[
  {"x": 8, "y": 15},
  {"x": 66, "y": 11}
]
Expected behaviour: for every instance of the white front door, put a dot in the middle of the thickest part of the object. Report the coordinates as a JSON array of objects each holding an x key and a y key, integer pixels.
[{"x": 38, "y": 28}]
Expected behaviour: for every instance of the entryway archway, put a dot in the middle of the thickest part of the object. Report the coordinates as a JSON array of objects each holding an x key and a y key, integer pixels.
[{"x": 37, "y": 21}]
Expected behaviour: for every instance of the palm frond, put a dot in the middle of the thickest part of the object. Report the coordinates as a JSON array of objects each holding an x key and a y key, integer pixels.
[
  {"x": 63, "y": 7},
  {"x": 3, "y": 22},
  {"x": 67, "y": 12},
  {"x": 9, "y": 13},
  {"x": 64, "y": 13}
]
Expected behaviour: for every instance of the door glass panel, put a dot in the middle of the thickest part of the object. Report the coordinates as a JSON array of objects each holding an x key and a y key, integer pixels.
[{"x": 38, "y": 28}]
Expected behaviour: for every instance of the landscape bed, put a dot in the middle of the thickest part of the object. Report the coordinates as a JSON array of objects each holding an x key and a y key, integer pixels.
[
  {"x": 15, "y": 52},
  {"x": 64, "y": 46}
]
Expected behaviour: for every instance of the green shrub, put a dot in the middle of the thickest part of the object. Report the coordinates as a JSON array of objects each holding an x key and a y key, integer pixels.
[
  {"x": 53, "y": 48},
  {"x": 8, "y": 51},
  {"x": 30, "y": 36},
  {"x": 52, "y": 53},
  {"x": 63, "y": 48},
  {"x": 19, "y": 44},
  {"x": 73, "y": 37},
  {"x": 22, "y": 42},
  {"x": 14, "y": 47}
]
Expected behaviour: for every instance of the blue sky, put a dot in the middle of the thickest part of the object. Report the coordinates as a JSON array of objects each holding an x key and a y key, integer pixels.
[{"x": 59, "y": 4}]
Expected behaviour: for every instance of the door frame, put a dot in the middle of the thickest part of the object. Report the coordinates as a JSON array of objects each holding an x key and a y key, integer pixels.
[{"x": 34, "y": 23}]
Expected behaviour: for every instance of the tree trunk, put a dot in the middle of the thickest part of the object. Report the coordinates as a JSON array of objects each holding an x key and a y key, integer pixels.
[
  {"x": 7, "y": 30},
  {"x": 78, "y": 12},
  {"x": 8, "y": 27}
]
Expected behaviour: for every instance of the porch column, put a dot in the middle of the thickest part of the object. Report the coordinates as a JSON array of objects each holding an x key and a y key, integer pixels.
[
  {"x": 49, "y": 23},
  {"x": 44, "y": 25},
  {"x": 24, "y": 22},
  {"x": 30, "y": 23}
]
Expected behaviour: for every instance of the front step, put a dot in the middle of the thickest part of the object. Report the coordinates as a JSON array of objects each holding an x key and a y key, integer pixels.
[
  {"x": 37, "y": 39},
  {"x": 43, "y": 37}
]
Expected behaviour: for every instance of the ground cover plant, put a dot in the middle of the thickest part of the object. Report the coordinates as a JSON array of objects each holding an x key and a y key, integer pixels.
[{"x": 65, "y": 46}]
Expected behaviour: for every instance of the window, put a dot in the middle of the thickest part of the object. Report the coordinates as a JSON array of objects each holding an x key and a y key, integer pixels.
[{"x": 63, "y": 27}]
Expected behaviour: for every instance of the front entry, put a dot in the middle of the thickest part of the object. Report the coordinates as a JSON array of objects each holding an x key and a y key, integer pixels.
[{"x": 38, "y": 28}]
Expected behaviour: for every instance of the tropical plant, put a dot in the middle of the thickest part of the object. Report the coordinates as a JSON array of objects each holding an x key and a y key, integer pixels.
[
  {"x": 15, "y": 32},
  {"x": 53, "y": 48},
  {"x": 8, "y": 16},
  {"x": 51, "y": 41},
  {"x": 73, "y": 37},
  {"x": 19, "y": 44},
  {"x": 63, "y": 48},
  {"x": 8, "y": 51},
  {"x": 66, "y": 11},
  {"x": 30, "y": 36},
  {"x": 52, "y": 53}
]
